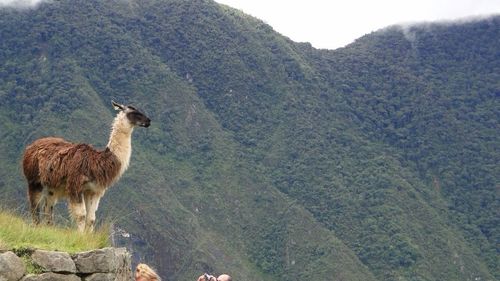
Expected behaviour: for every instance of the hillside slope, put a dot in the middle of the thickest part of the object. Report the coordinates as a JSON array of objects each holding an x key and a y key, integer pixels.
[
  {"x": 189, "y": 202},
  {"x": 436, "y": 102},
  {"x": 269, "y": 159}
]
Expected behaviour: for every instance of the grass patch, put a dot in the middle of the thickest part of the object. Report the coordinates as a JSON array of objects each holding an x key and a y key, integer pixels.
[{"x": 16, "y": 233}]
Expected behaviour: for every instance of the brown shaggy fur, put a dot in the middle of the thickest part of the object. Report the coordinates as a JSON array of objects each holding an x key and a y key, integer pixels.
[{"x": 54, "y": 162}]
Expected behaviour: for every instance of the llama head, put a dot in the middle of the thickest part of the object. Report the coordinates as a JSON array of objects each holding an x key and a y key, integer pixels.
[{"x": 132, "y": 115}]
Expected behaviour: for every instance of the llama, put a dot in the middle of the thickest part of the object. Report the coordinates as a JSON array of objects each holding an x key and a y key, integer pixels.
[{"x": 57, "y": 169}]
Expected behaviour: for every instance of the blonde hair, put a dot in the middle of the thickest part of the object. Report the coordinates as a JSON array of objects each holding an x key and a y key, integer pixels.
[{"x": 146, "y": 272}]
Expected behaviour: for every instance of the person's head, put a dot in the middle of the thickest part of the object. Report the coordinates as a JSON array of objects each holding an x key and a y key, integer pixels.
[
  {"x": 224, "y": 277},
  {"x": 145, "y": 273},
  {"x": 207, "y": 277}
]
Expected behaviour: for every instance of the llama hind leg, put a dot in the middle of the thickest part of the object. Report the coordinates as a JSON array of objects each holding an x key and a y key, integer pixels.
[
  {"x": 78, "y": 212},
  {"x": 91, "y": 203},
  {"x": 48, "y": 207},
  {"x": 35, "y": 199}
]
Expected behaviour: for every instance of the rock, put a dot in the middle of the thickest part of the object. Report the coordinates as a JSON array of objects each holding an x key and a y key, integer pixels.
[
  {"x": 107, "y": 260},
  {"x": 54, "y": 261},
  {"x": 50, "y": 276},
  {"x": 12, "y": 267},
  {"x": 101, "y": 277},
  {"x": 124, "y": 272}
]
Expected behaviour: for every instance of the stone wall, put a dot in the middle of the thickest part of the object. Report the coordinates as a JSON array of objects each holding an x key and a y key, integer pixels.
[{"x": 108, "y": 264}]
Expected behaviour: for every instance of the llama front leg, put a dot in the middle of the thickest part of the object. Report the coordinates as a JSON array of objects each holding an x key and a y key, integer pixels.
[
  {"x": 91, "y": 203},
  {"x": 78, "y": 211}
]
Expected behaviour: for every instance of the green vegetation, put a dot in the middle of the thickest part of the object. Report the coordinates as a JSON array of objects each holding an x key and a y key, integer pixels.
[
  {"x": 16, "y": 233},
  {"x": 266, "y": 158},
  {"x": 25, "y": 255}
]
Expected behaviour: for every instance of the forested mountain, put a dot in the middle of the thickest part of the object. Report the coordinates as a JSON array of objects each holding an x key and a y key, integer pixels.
[{"x": 269, "y": 159}]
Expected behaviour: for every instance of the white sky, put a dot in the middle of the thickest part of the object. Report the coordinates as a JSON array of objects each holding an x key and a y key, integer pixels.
[{"x": 332, "y": 24}]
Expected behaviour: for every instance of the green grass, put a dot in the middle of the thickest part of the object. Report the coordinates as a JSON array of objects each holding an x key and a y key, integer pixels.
[{"x": 16, "y": 233}]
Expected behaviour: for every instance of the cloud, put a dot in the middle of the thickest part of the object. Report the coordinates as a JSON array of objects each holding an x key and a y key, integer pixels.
[
  {"x": 409, "y": 29},
  {"x": 20, "y": 4}
]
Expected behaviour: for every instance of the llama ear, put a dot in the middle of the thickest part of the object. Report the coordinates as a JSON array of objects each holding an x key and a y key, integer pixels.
[{"x": 117, "y": 106}]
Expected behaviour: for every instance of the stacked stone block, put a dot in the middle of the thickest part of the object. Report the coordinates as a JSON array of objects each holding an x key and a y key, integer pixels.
[{"x": 108, "y": 264}]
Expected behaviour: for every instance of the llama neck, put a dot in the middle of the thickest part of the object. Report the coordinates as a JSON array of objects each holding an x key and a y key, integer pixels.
[{"x": 120, "y": 141}]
